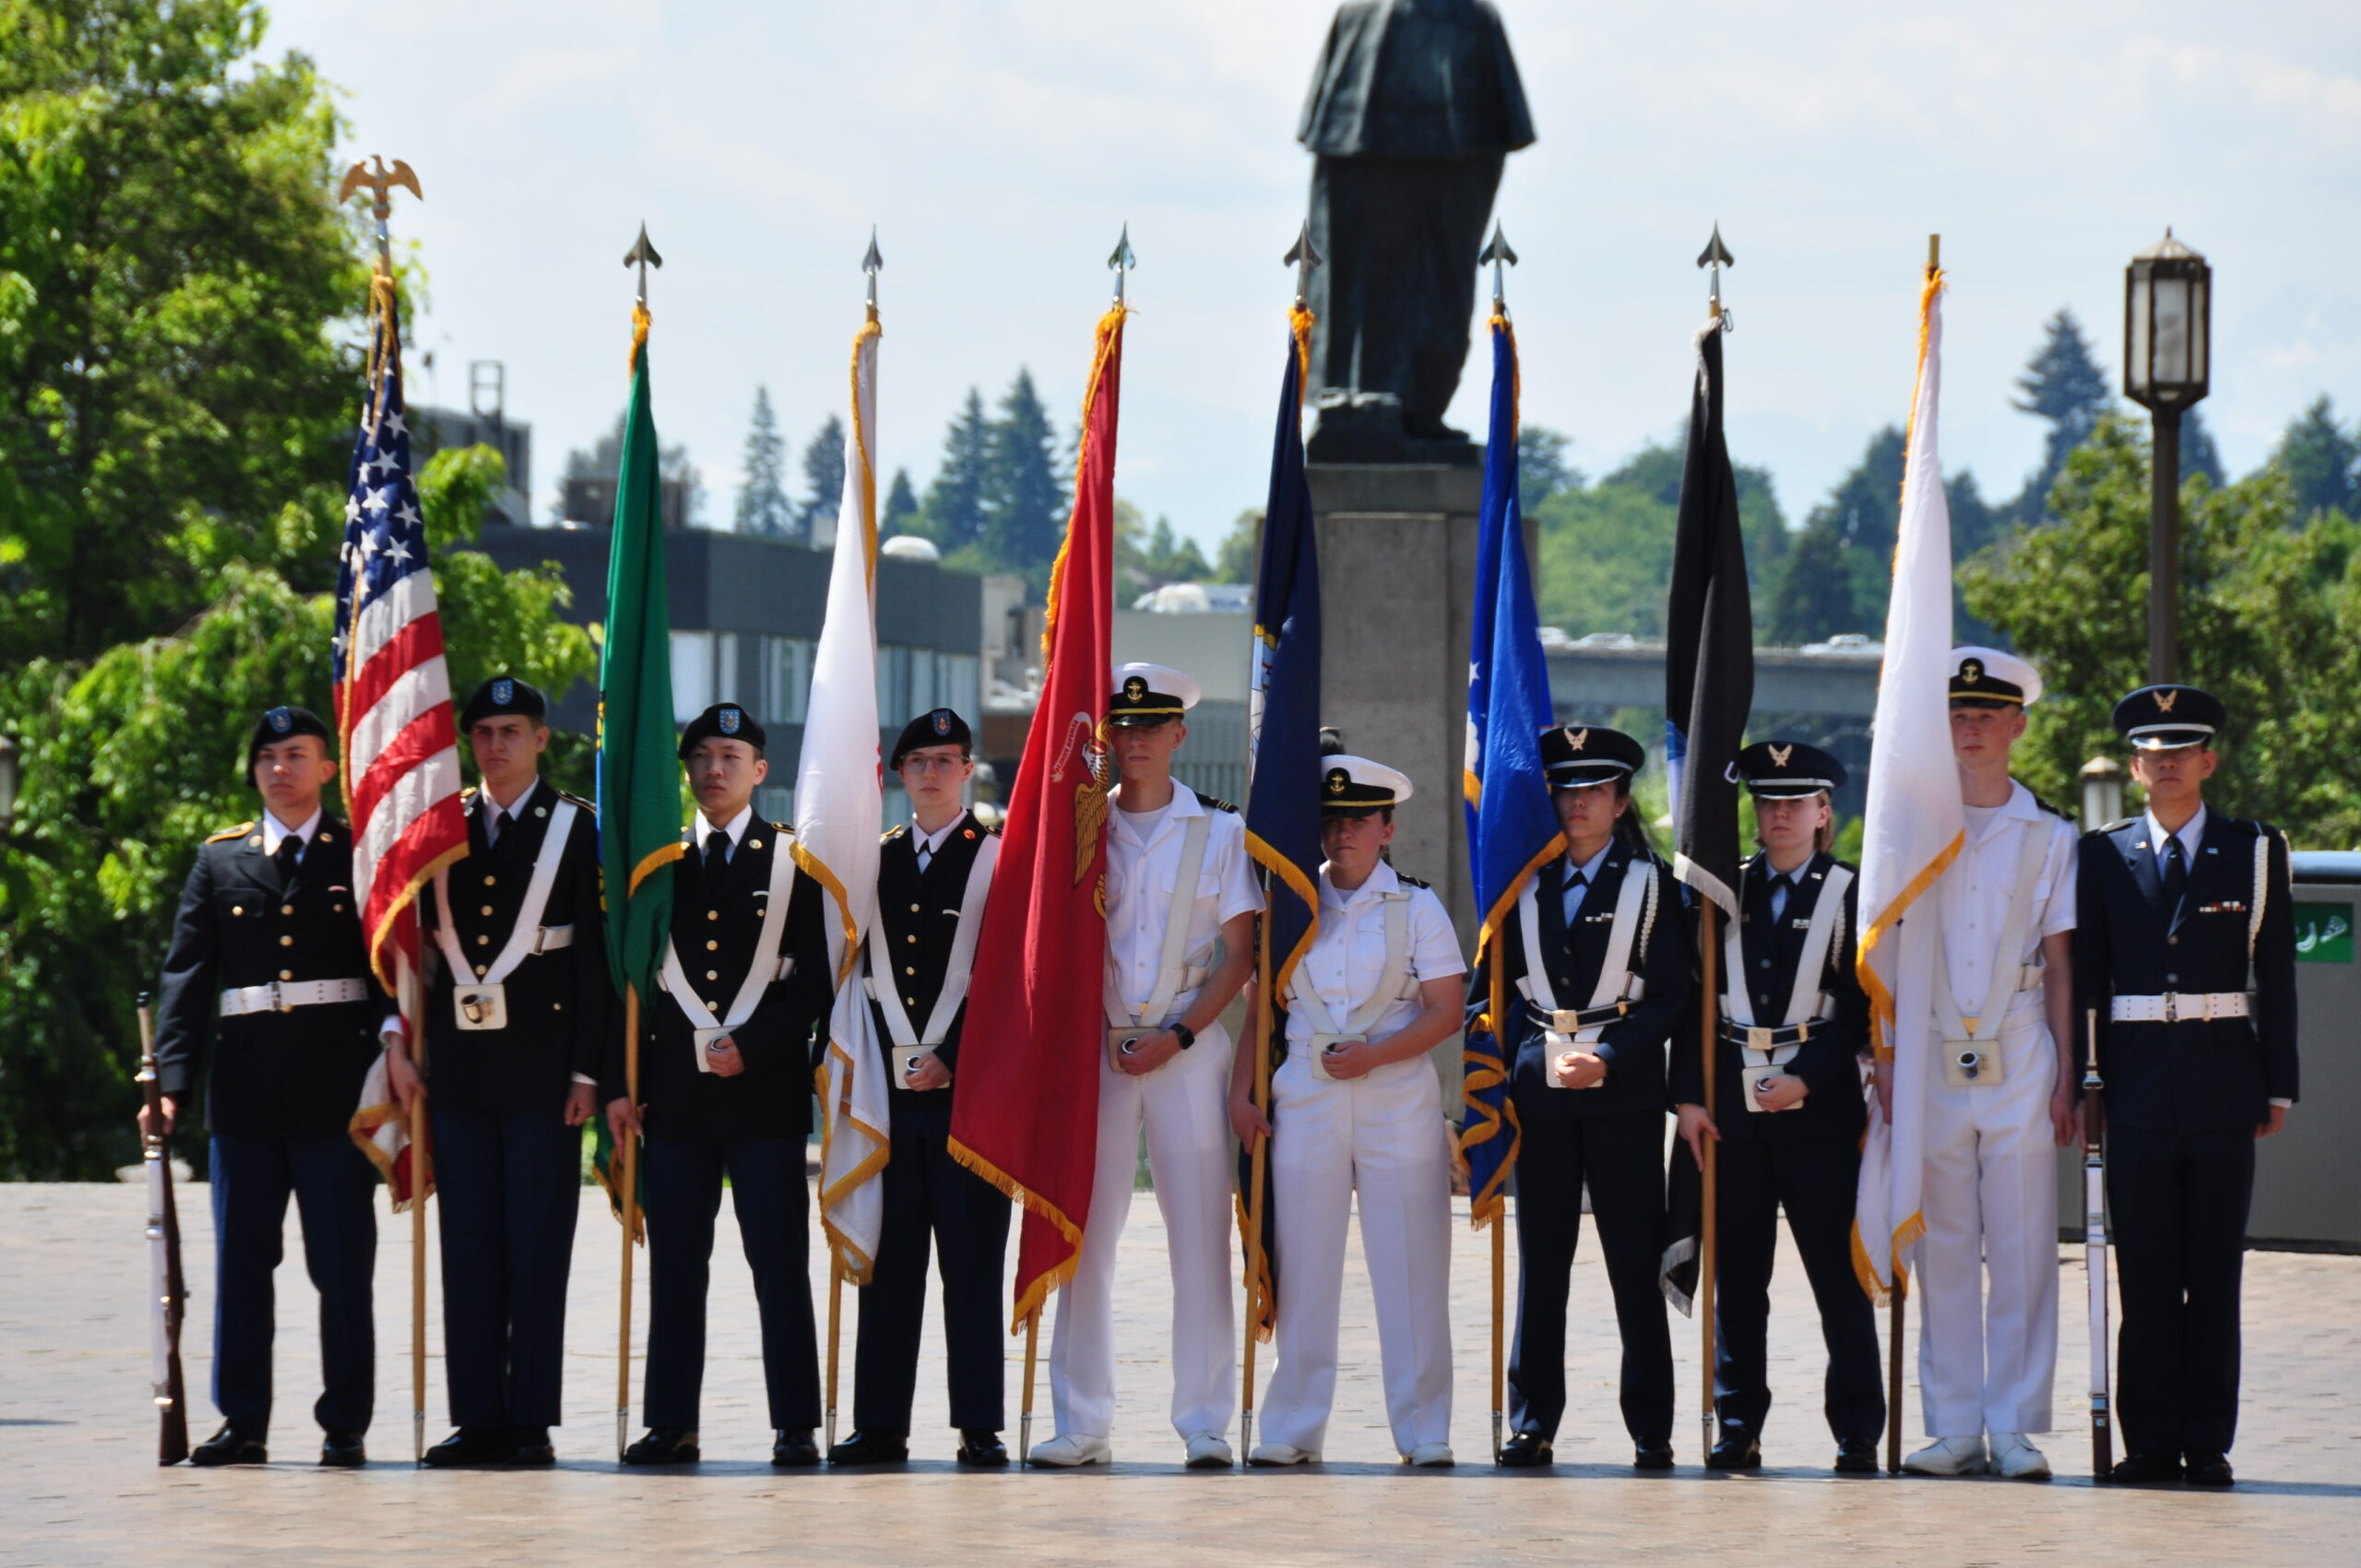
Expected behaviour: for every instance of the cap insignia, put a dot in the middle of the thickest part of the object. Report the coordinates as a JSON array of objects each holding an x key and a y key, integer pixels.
[
  {"x": 504, "y": 691},
  {"x": 730, "y": 719},
  {"x": 1134, "y": 689},
  {"x": 1338, "y": 779},
  {"x": 1970, "y": 670},
  {"x": 1779, "y": 755},
  {"x": 280, "y": 719},
  {"x": 1576, "y": 739},
  {"x": 943, "y": 721},
  {"x": 2164, "y": 701}
]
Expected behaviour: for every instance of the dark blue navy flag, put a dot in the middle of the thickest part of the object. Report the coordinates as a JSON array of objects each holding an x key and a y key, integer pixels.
[
  {"x": 1510, "y": 828},
  {"x": 1283, "y": 808}
]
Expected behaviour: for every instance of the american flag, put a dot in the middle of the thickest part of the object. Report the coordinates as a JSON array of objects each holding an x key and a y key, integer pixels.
[{"x": 392, "y": 693}]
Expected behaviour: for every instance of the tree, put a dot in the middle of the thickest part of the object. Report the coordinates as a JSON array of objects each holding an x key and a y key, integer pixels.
[
  {"x": 1541, "y": 467},
  {"x": 824, "y": 483},
  {"x": 1025, "y": 499},
  {"x": 2063, "y": 385},
  {"x": 178, "y": 305},
  {"x": 1841, "y": 569},
  {"x": 901, "y": 514},
  {"x": 2320, "y": 462},
  {"x": 1146, "y": 560},
  {"x": 1236, "y": 559},
  {"x": 2265, "y": 616},
  {"x": 2197, "y": 453},
  {"x": 762, "y": 494},
  {"x": 954, "y": 513}
]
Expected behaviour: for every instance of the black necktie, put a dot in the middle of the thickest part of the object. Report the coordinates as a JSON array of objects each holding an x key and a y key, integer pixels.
[
  {"x": 2176, "y": 874},
  {"x": 288, "y": 855},
  {"x": 717, "y": 851},
  {"x": 501, "y": 823},
  {"x": 925, "y": 854},
  {"x": 1574, "y": 885}
]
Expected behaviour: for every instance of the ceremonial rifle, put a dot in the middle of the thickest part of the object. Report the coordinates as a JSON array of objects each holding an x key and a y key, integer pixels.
[
  {"x": 167, "y": 1291},
  {"x": 2094, "y": 1249}
]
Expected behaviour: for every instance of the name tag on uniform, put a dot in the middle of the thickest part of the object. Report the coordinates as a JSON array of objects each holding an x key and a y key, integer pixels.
[{"x": 480, "y": 1006}]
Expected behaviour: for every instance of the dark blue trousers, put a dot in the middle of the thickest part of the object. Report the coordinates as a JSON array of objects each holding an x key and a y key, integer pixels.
[
  {"x": 1621, "y": 1158},
  {"x": 510, "y": 1183},
  {"x": 333, "y": 1183},
  {"x": 2179, "y": 1205},
  {"x": 682, "y": 1197},
  {"x": 927, "y": 1194},
  {"x": 1818, "y": 1180}
]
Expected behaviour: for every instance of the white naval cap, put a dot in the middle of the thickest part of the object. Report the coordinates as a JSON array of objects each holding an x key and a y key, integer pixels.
[
  {"x": 1357, "y": 784},
  {"x": 1150, "y": 694},
  {"x": 1986, "y": 675}
]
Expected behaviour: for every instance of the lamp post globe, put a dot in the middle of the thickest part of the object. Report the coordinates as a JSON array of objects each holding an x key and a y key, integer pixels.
[{"x": 2167, "y": 360}]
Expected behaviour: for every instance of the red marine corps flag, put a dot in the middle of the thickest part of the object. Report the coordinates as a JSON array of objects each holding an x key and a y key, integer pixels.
[{"x": 1024, "y": 1107}]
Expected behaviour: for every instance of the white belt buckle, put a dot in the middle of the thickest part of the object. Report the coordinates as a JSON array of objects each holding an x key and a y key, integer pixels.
[
  {"x": 278, "y": 1001},
  {"x": 1566, "y": 1020},
  {"x": 1758, "y": 1037},
  {"x": 2172, "y": 1007}
]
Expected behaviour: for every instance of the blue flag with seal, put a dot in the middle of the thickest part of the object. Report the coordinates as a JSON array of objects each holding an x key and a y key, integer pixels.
[
  {"x": 1283, "y": 805},
  {"x": 1511, "y": 830}
]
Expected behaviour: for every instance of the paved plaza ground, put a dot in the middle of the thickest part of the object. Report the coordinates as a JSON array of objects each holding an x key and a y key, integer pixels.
[{"x": 79, "y": 1484}]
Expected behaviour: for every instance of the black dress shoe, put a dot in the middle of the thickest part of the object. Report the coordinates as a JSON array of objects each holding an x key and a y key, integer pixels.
[
  {"x": 1730, "y": 1453},
  {"x": 2145, "y": 1469},
  {"x": 1651, "y": 1454},
  {"x": 664, "y": 1445},
  {"x": 1855, "y": 1456},
  {"x": 529, "y": 1447},
  {"x": 1523, "y": 1451},
  {"x": 470, "y": 1445},
  {"x": 230, "y": 1447},
  {"x": 342, "y": 1450},
  {"x": 980, "y": 1448},
  {"x": 862, "y": 1448},
  {"x": 792, "y": 1448},
  {"x": 2207, "y": 1469}
]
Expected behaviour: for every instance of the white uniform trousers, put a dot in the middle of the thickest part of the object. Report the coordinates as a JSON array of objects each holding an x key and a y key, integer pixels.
[
  {"x": 1185, "y": 1107},
  {"x": 1986, "y": 1361},
  {"x": 1383, "y": 1137}
]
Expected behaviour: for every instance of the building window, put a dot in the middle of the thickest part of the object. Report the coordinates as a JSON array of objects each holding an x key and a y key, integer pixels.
[
  {"x": 692, "y": 674},
  {"x": 776, "y": 803},
  {"x": 897, "y": 804},
  {"x": 725, "y": 669},
  {"x": 787, "y": 679},
  {"x": 894, "y": 708},
  {"x": 956, "y": 684}
]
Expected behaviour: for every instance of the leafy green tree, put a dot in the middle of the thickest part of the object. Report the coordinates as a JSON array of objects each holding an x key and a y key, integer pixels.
[
  {"x": 953, "y": 514},
  {"x": 1542, "y": 470},
  {"x": 1235, "y": 559},
  {"x": 1148, "y": 559},
  {"x": 1025, "y": 498},
  {"x": 2063, "y": 385},
  {"x": 1842, "y": 566},
  {"x": 2321, "y": 461},
  {"x": 901, "y": 510},
  {"x": 2266, "y": 616},
  {"x": 763, "y": 506},
  {"x": 824, "y": 481}
]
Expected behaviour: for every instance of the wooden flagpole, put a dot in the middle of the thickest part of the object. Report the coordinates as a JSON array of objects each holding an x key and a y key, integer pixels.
[
  {"x": 1025, "y": 1414},
  {"x": 1256, "y": 1183},
  {"x": 1499, "y": 1000},
  {"x": 628, "y": 1168},
  {"x": 1893, "y": 1371},
  {"x": 836, "y": 1319},
  {"x": 1709, "y": 915},
  {"x": 422, "y": 1176}
]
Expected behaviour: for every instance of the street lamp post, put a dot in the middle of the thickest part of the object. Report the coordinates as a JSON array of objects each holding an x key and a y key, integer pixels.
[
  {"x": 2168, "y": 332},
  {"x": 8, "y": 756},
  {"x": 2102, "y": 793}
]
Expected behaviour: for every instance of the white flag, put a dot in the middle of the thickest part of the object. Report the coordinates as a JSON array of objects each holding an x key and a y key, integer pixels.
[
  {"x": 1914, "y": 830},
  {"x": 838, "y": 808}
]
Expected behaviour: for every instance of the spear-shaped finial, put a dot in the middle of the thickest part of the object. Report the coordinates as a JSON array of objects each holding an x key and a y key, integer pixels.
[
  {"x": 1122, "y": 261},
  {"x": 382, "y": 183},
  {"x": 1303, "y": 259},
  {"x": 644, "y": 256},
  {"x": 1717, "y": 256},
  {"x": 872, "y": 264},
  {"x": 1498, "y": 254}
]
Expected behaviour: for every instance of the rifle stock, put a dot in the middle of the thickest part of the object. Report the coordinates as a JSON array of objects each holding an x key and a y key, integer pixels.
[
  {"x": 168, "y": 1291},
  {"x": 2094, "y": 1249}
]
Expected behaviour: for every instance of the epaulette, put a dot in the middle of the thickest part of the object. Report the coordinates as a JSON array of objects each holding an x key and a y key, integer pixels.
[
  {"x": 238, "y": 832},
  {"x": 1407, "y": 880},
  {"x": 1214, "y": 801},
  {"x": 469, "y": 793},
  {"x": 588, "y": 805},
  {"x": 893, "y": 833},
  {"x": 2047, "y": 807},
  {"x": 2118, "y": 825},
  {"x": 786, "y": 829}
]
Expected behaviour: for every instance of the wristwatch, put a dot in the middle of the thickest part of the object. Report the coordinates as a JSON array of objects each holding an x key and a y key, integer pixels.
[{"x": 1185, "y": 1034}]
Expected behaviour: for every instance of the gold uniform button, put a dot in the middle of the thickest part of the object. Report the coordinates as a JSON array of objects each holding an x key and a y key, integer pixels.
[
  {"x": 711, "y": 946},
  {"x": 908, "y": 971},
  {"x": 909, "y": 1002},
  {"x": 480, "y": 971},
  {"x": 287, "y": 942},
  {"x": 237, "y": 908},
  {"x": 489, "y": 879},
  {"x": 711, "y": 975},
  {"x": 483, "y": 941},
  {"x": 914, "y": 909},
  {"x": 286, "y": 974},
  {"x": 753, "y": 843},
  {"x": 286, "y": 908},
  {"x": 909, "y": 939},
  {"x": 713, "y": 914},
  {"x": 487, "y": 909}
]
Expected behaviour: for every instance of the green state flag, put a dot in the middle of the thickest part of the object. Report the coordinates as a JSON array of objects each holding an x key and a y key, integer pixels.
[{"x": 639, "y": 771}]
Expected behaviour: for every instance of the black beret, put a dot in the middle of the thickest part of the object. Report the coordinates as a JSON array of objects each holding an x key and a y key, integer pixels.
[
  {"x": 726, "y": 720},
  {"x": 1788, "y": 770},
  {"x": 940, "y": 728},
  {"x": 1573, "y": 756},
  {"x": 2157, "y": 718},
  {"x": 504, "y": 693},
  {"x": 284, "y": 724}
]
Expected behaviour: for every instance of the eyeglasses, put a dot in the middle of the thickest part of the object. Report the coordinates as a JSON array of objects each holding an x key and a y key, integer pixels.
[{"x": 928, "y": 765}]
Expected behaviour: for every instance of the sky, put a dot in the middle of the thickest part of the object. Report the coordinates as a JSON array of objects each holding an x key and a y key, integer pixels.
[{"x": 998, "y": 146}]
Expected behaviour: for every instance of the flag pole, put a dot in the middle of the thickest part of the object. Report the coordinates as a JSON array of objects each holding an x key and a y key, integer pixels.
[
  {"x": 421, "y": 1172},
  {"x": 1499, "y": 1220},
  {"x": 1893, "y": 1371},
  {"x": 1709, "y": 915},
  {"x": 629, "y": 1166},
  {"x": 1256, "y": 1182},
  {"x": 1025, "y": 1412},
  {"x": 836, "y": 1318}
]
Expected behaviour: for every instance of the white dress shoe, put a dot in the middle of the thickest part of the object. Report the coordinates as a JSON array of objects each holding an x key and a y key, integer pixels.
[
  {"x": 1437, "y": 1455},
  {"x": 1948, "y": 1456},
  {"x": 2017, "y": 1458},
  {"x": 1209, "y": 1452},
  {"x": 1280, "y": 1453},
  {"x": 1071, "y": 1448}
]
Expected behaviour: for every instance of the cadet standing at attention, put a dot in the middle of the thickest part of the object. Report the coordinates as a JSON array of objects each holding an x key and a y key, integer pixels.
[
  {"x": 932, "y": 875},
  {"x": 1999, "y": 1096},
  {"x": 517, "y": 1022},
  {"x": 1359, "y": 1108},
  {"x": 726, "y": 1064},
  {"x": 2187, "y": 948},
  {"x": 1794, "y": 1025},
  {"x": 267, "y": 996},
  {"x": 1599, "y": 958},
  {"x": 1177, "y": 880}
]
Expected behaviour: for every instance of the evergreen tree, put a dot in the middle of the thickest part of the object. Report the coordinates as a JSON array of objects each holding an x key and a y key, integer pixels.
[
  {"x": 1841, "y": 571},
  {"x": 953, "y": 514},
  {"x": 1235, "y": 560},
  {"x": 1025, "y": 503},
  {"x": 2320, "y": 461},
  {"x": 2063, "y": 385},
  {"x": 762, "y": 496},
  {"x": 2197, "y": 453},
  {"x": 901, "y": 512},
  {"x": 824, "y": 483}
]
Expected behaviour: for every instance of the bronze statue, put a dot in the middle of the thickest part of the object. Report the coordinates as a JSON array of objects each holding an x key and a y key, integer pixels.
[{"x": 1414, "y": 108}]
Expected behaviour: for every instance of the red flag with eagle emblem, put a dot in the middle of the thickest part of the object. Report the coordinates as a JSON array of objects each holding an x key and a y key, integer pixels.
[{"x": 1025, "y": 1105}]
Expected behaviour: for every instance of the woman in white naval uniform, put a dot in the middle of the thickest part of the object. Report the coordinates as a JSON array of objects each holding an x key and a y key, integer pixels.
[
  {"x": 1178, "y": 879},
  {"x": 1359, "y": 1108}
]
